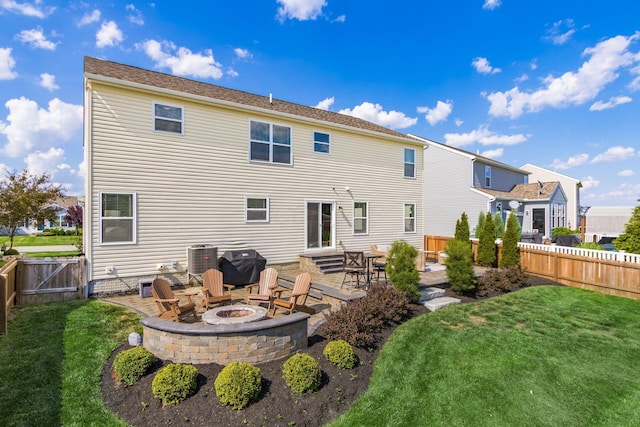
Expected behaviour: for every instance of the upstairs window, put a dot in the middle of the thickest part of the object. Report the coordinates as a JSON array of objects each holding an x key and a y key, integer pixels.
[
  {"x": 117, "y": 217},
  {"x": 409, "y": 163},
  {"x": 321, "y": 142},
  {"x": 270, "y": 143},
  {"x": 256, "y": 209},
  {"x": 360, "y": 218},
  {"x": 487, "y": 176},
  {"x": 167, "y": 118}
]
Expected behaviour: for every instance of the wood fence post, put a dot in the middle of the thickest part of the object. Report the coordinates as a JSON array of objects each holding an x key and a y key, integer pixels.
[{"x": 3, "y": 307}]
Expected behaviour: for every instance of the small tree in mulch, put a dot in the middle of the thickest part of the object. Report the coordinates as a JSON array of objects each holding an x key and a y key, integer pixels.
[
  {"x": 510, "y": 251},
  {"x": 487, "y": 243},
  {"x": 459, "y": 266},
  {"x": 401, "y": 268}
]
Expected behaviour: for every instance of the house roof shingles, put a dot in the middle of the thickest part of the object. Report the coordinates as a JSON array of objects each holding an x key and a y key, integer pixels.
[
  {"x": 114, "y": 70},
  {"x": 526, "y": 191}
]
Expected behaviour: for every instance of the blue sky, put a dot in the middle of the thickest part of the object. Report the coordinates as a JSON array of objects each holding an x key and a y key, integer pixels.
[{"x": 553, "y": 83}]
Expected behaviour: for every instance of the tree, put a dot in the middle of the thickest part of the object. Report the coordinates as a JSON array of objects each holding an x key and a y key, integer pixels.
[
  {"x": 462, "y": 228},
  {"x": 401, "y": 268},
  {"x": 460, "y": 271},
  {"x": 630, "y": 240},
  {"x": 510, "y": 251},
  {"x": 24, "y": 196},
  {"x": 487, "y": 243},
  {"x": 499, "y": 225},
  {"x": 74, "y": 216},
  {"x": 478, "y": 231}
]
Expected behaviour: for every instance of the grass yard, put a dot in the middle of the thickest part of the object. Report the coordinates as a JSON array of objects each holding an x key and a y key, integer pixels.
[
  {"x": 41, "y": 240},
  {"x": 51, "y": 361},
  {"x": 542, "y": 356}
]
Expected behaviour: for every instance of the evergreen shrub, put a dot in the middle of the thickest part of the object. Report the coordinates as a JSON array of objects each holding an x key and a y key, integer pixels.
[
  {"x": 238, "y": 384},
  {"x": 341, "y": 354},
  {"x": 174, "y": 383},
  {"x": 401, "y": 268},
  {"x": 131, "y": 364},
  {"x": 302, "y": 373},
  {"x": 459, "y": 265}
]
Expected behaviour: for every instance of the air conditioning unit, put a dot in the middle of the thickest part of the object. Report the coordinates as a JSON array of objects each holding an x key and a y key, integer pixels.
[{"x": 201, "y": 258}]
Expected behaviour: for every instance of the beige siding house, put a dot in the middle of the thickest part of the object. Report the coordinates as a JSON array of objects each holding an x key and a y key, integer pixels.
[{"x": 173, "y": 162}]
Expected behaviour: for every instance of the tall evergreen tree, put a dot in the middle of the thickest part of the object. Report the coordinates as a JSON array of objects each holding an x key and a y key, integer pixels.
[
  {"x": 510, "y": 251},
  {"x": 462, "y": 228},
  {"x": 499, "y": 225},
  {"x": 478, "y": 231},
  {"x": 487, "y": 243},
  {"x": 630, "y": 240}
]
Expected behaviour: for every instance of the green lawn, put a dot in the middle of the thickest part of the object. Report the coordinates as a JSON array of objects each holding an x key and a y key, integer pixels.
[
  {"x": 41, "y": 240},
  {"x": 542, "y": 356},
  {"x": 51, "y": 360}
]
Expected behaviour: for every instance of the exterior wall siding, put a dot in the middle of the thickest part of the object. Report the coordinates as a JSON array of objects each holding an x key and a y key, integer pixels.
[
  {"x": 501, "y": 179},
  {"x": 191, "y": 188}
]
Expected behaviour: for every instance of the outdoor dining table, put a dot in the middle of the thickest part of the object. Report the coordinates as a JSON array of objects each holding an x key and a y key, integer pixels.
[{"x": 368, "y": 262}]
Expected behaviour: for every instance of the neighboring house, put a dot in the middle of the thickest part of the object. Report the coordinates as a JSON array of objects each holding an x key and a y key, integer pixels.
[
  {"x": 173, "y": 163},
  {"x": 457, "y": 181},
  {"x": 606, "y": 221},
  {"x": 570, "y": 186},
  {"x": 61, "y": 204}
]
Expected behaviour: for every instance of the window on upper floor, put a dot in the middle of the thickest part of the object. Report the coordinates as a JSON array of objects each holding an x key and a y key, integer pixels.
[
  {"x": 409, "y": 163},
  {"x": 256, "y": 209},
  {"x": 117, "y": 217},
  {"x": 167, "y": 118},
  {"x": 409, "y": 217},
  {"x": 360, "y": 217},
  {"x": 321, "y": 142},
  {"x": 487, "y": 176},
  {"x": 270, "y": 143}
]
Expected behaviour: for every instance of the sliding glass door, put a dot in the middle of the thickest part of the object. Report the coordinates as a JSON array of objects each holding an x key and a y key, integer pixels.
[{"x": 320, "y": 225}]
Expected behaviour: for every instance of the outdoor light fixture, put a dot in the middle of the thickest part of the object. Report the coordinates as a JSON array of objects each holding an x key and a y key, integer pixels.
[{"x": 347, "y": 189}]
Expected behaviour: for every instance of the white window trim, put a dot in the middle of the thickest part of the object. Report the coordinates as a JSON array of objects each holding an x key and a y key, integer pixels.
[
  {"x": 353, "y": 230},
  {"x": 487, "y": 174},
  {"x": 404, "y": 163},
  {"x": 246, "y": 210},
  {"x": 415, "y": 218},
  {"x": 153, "y": 118},
  {"x": 271, "y": 143},
  {"x": 134, "y": 222},
  {"x": 328, "y": 144}
]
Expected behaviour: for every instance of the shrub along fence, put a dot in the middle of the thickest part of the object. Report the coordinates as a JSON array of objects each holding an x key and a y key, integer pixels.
[{"x": 613, "y": 273}]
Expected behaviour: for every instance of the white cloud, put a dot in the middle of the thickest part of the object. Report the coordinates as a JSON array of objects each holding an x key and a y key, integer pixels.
[
  {"x": 589, "y": 182},
  {"x": 493, "y": 154},
  {"x": 615, "y": 154},
  {"x": 376, "y": 114},
  {"x": 560, "y": 31},
  {"x": 40, "y": 162},
  {"x": 613, "y": 101},
  {"x": 108, "y": 35},
  {"x": 483, "y": 136},
  {"x": 301, "y": 10},
  {"x": 626, "y": 173},
  {"x": 6, "y": 64},
  {"x": 571, "y": 162},
  {"x": 31, "y": 128},
  {"x": 135, "y": 17},
  {"x": 232, "y": 73},
  {"x": 483, "y": 66},
  {"x": 459, "y": 122},
  {"x": 89, "y": 18},
  {"x": 48, "y": 81},
  {"x": 491, "y": 4},
  {"x": 183, "y": 62},
  {"x": 34, "y": 10},
  {"x": 533, "y": 64},
  {"x": 326, "y": 103},
  {"x": 242, "y": 53},
  {"x": 439, "y": 113},
  {"x": 341, "y": 18},
  {"x": 572, "y": 88},
  {"x": 82, "y": 169},
  {"x": 36, "y": 39},
  {"x": 522, "y": 78}
]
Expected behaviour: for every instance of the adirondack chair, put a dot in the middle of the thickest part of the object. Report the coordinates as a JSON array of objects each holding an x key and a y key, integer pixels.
[
  {"x": 213, "y": 290},
  {"x": 263, "y": 291},
  {"x": 167, "y": 302},
  {"x": 298, "y": 296}
]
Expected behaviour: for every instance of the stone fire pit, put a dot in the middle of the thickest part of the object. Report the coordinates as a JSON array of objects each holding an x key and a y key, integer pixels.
[{"x": 231, "y": 315}]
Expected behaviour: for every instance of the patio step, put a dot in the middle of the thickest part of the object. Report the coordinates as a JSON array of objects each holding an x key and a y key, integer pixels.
[
  {"x": 430, "y": 293},
  {"x": 322, "y": 263},
  {"x": 441, "y": 302}
]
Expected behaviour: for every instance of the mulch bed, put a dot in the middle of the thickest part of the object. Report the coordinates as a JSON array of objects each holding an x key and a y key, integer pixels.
[{"x": 276, "y": 406}]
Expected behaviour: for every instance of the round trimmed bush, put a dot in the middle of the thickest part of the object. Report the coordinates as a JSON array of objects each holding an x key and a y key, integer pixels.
[
  {"x": 237, "y": 384},
  {"x": 174, "y": 383},
  {"x": 11, "y": 252},
  {"x": 130, "y": 365},
  {"x": 302, "y": 373},
  {"x": 341, "y": 354}
]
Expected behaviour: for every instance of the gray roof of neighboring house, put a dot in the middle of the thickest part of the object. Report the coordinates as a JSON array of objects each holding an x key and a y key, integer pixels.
[
  {"x": 114, "y": 70},
  {"x": 66, "y": 201},
  {"x": 525, "y": 191}
]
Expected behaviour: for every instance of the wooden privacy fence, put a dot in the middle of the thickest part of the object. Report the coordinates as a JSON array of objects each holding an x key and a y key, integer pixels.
[
  {"x": 613, "y": 273},
  {"x": 25, "y": 281}
]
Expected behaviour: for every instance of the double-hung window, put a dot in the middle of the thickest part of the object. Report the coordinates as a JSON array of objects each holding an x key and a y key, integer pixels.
[
  {"x": 256, "y": 209},
  {"x": 409, "y": 163},
  {"x": 487, "y": 176},
  {"x": 270, "y": 143},
  {"x": 409, "y": 217},
  {"x": 167, "y": 118},
  {"x": 117, "y": 217},
  {"x": 360, "y": 218},
  {"x": 321, "y": 142}
]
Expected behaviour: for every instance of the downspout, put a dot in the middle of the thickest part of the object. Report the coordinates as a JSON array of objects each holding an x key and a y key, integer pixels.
[{"x": 88, "y": 206}]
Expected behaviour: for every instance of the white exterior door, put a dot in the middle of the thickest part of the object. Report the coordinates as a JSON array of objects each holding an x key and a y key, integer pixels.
[{"x": 321, "y": 225}]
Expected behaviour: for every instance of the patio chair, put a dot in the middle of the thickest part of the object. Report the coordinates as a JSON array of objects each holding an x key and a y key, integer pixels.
[
  {"x": 214, "y": 291},
  {"x": 380, "y": 266},
  {"x": 263, "y": 291},
  {"x": 167, "y": 302},
  {"x": 298, "y": 296},
  {"x": 353, "y": 264}
]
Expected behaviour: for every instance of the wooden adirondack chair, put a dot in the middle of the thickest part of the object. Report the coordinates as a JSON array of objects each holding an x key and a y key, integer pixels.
[
  {"x": 167, "y": 302},
  {"x": 298, "y": 296},
  {"x": 214, "y": 291},
  {"x": 263, "y": 291}
]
